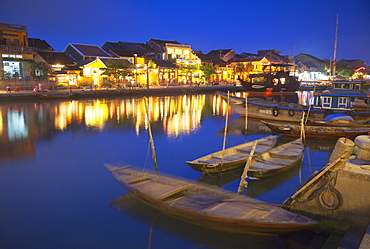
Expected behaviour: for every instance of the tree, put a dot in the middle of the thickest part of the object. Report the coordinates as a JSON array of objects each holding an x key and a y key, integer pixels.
[
  {"x": 208, "y": 70},
  {"x": 118, "y": 69},
  {"x": 38, "y": 69},
  {"x": 189, "y": 70},
  {"x": 345, "y": 71}
]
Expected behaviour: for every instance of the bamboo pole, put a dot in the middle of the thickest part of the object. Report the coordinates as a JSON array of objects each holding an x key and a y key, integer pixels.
[
  {"x": 246, "y": 113},
  {"x": 302, "y": 135},
  {"x": 243, "y": 183},
  {"x": 225, "y": 130},
  {"x": 154, "y": 155},
  {"x": 310, "y": 105},
  {"x": 326, "y": 169}
]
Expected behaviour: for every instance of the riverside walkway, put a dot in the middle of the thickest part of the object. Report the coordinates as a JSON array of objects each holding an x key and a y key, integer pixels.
[{"x": 28, "y": 95}]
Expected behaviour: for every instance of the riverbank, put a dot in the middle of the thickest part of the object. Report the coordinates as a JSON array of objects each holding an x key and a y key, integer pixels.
[{"x": 91, "y": 94}]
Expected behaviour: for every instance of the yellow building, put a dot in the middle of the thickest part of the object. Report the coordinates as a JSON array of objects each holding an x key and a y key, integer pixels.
[
  {"x": 14, "y": 51},
  {"x": 243, "y": 67}
]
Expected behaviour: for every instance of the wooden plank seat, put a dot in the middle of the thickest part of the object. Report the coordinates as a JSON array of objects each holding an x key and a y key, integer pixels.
[
  {"x": 210, "y": 161},
  {"x": 248, "y": 149},
  {"x": 271, "y": 163},
  {"x": 286, "y": 153},
  {"x": 160, "y": 191},
  {"x": 235, "y": 156}
]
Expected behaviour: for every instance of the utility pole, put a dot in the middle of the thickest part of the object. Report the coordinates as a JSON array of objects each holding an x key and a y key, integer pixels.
[{"x": 335, "y": 49}]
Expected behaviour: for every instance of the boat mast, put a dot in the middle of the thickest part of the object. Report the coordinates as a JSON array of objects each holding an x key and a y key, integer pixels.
[{"x": 335, "y": 49}]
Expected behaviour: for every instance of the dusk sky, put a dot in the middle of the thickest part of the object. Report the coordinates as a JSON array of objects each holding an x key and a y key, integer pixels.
[{"x": 291, "y": 26}]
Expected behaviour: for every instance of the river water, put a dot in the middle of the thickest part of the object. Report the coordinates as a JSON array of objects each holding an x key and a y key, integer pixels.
[{"x": 56, "y": 193}]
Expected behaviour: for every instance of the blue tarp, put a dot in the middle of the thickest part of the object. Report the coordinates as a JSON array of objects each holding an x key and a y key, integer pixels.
[{"x": 333, "y": 117}]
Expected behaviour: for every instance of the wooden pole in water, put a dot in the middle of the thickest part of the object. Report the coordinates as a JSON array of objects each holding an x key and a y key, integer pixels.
[
  {"x": 154, "y": 156},
  {"x": 243, "y": 183},
  {"x": 302, "y": 135},
  {"x": 225, "y": 130},
  {"x": 246, "y": 113}
]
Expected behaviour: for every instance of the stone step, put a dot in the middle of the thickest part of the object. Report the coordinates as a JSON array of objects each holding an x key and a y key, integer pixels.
[
  {"x": 333, "y": 241},
  {"x": 352, "y": 238},
  {"x": 365, "y": 243}
]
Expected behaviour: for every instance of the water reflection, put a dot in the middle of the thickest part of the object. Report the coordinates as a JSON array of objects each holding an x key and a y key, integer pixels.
[
  {"x": 207, "y": 238},
  {"x": 23, "y": 123}
]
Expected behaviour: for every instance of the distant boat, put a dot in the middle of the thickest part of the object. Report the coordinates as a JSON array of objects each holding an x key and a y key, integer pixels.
[
  {"x": 274, "y": 81},
  {"x": 232, "y": 157},
  {"x": 208, "y": 207}
]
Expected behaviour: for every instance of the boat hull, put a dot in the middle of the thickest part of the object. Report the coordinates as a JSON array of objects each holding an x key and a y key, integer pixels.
[
  {"x": 232, "y": 157},
  {"x": 277, "y": 160},
  {"x": 287, "y": 112},
  {"x": 315, "y": 131},
  {"x": 205, "y": 206}
]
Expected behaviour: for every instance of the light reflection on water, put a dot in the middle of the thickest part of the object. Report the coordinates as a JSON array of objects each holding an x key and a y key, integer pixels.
[{"x": 55, "y": 191}]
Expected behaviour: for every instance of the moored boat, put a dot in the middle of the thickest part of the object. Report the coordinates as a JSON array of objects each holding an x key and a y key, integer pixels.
[
  {"x": 277, "y": 80},
  {"x": 290, "y": 112},
  {"x": 316, "y": 131},
  {"x": 55, "y": 96},
  {"x": 277, "y": 160},
  {"x": 208, "y": 207},
  {"x": 232, "y": 157}
]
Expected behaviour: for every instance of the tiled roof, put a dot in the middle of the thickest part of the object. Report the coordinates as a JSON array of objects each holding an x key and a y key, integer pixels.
[
  {"x": 40, "y": 44},
  {"x": 210, "y": 58},
  {"x": 248, "y": 59},
  {"x": 107, "y": 60},
  {"x": 165, "y": 64},
  {"x": 123, "y": 52},
  {"x": 161, "y": 42},
  {"x": 56, "y": 58},
  {"x": 90, "y": 50},
  {"x": 219, "y": 52}
]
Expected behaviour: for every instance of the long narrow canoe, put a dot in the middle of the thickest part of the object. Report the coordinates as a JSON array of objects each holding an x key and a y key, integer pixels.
[
  {"x": 277, "y": 160},
  {"x": 232, "y": 157},
  {"x": 316, "y": 131},
  {"x": 208, "y": 207}
]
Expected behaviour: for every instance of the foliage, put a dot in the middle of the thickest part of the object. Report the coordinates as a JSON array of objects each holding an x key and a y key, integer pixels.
[
  {"x": 188, "y": 69},
  {"x": 118, "y": 69},
  {"x": 38, "y": 69},
  {"x": 208, "y": 70},
  {"x": 62, "y": 85},
  {"x": 345, "y": 71},
  {"x": 85, "y": 84}
]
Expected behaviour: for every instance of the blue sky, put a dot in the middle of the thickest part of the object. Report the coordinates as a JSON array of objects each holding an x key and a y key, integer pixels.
[{"x": 291, "y": 26}]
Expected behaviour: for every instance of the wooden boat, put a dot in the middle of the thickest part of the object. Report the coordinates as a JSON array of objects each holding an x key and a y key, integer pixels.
[
  {"x": 339, "y": 120},
  {"x": 316, "y": 131},
  {"x": 208, "y": 207},
  {"x": 55, "y": 96},
  {"x": 259, "y": 108},
  {"x": 232, "y": 157},
  {"x": 273, "y": 81},
  {"x": 276, "y": 160}
]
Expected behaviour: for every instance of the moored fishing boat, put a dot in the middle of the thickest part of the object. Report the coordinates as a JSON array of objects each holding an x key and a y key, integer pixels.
[
  {"x": 316, "y": 131},
  {"x": 208, "y": 207},
  {"x": 277, "y": 160},
  {"x": 274, "y": 79},
  {"x": 55, "y": 96},
  {"x": 323, "y": 104},
  {"x": 232, "y": 157}
]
